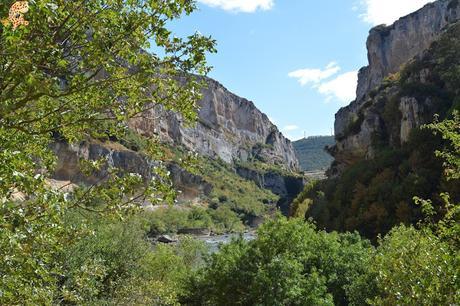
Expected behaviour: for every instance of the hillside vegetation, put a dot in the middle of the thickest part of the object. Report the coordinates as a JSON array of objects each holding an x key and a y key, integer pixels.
[
  {"x": 311, "y": 152},
  {"x": 374, "y": 194},
  {"x": 74, "y": 74}
]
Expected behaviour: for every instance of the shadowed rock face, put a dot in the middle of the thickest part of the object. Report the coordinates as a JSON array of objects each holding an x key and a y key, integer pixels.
[
  {"x": 389, "y": 49},
  {"x": 287, "y": 187},
  {"x": 68, "y": 168},
  {"x": 229, "y": 127}
]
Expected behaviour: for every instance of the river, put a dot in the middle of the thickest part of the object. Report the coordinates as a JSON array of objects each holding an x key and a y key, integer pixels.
[{"x": 215, "y": 241}]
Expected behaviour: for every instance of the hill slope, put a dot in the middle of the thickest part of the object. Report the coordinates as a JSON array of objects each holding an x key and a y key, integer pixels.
[{"x": 311, "y": 154}]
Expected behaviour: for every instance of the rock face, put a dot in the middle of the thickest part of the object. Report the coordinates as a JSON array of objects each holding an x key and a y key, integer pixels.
[
  {"x": 68, "y": 168},
  {"x": 383, "y": 108},
  {"x": 229, "y": 127},
  {"x": 287, "y": 187},
  {"x": 391, "y": 47},
  {"x": 191, "y": 186}
]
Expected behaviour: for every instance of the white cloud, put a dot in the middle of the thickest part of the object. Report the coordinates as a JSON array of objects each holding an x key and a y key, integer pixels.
[
  {"x": 293, "y": 137},
  {"x": 342, "y": 88},
  {"x": 246, "y": 6},
  {"x": 308, "y": 76},
  {"x": 290, "y": 128},
  {"x": 388, "y": 11},
  {"x": 292, "y": 132}
]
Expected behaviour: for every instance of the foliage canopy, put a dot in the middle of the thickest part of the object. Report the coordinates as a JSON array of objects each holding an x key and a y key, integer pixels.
[{"x": 80, "y": 69}]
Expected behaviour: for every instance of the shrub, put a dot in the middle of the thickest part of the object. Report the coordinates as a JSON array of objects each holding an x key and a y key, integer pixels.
[
  {"x": 117, "y": 265},
  {"x": 411, "y": 267},
  {"x": 289, "y": 263}
]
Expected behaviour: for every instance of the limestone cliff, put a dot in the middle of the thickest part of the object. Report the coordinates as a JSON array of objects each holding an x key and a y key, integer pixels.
[
  {"x": 389, "y": 47},
  {"x": 388, "y": 107},
  {"x": 229, "y": 127},
  {"x": 383, "y": 159}
]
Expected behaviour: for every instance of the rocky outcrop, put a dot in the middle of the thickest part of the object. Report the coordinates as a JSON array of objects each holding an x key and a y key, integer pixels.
[
  {"x": 229, "y": 127},
  {"x": 287, "y": 187},
  {"x": 388, "y": 108},
  {"x": 191, "y": 186},
  {"x": 68, "y": 168},
  {"x": 390, "y": 47},
  {"x": 412, "y": 111}
]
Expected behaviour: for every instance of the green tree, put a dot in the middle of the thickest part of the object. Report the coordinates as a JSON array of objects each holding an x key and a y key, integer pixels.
[
  {"x": 450, "y": 131},
  {"x": 80, "y": 69},
  {"x": 289, "y": 263},
  {"x": 117, "y": 265},
  {"x": 420, "y": 266}
]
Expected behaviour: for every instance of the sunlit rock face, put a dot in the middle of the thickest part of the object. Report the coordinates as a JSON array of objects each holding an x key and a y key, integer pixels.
[
  {"x": 229, "y": 127},
  {"x": 390, "y": 48}
]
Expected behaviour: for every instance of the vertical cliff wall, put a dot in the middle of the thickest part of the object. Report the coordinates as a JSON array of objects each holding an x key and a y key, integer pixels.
[
  {"x": 389, "y": 47},
  {"x": 229, "y": 127},
  {"x": 379, "y": 95}
]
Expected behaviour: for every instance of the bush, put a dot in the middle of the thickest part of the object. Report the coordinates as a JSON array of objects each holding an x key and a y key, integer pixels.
[
  {"x": 220, "y": 219},
  {"x": 117, "y": 265},
  {"x": 226, "y": 220},
  {"x": 411, "y": 267},
  {"x": 289, "y": 263}
]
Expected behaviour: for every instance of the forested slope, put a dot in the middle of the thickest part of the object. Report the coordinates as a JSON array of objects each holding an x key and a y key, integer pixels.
[{"x": 311, "y": 152}]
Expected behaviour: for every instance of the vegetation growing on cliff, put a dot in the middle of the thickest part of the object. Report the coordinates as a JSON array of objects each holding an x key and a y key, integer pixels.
[
  {"x": 236, "y": 193},
  {"x": 373, "y": 195}
]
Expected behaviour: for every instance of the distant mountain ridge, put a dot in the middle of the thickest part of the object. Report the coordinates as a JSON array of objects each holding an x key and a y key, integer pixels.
[{"x": 311, "y": 152}]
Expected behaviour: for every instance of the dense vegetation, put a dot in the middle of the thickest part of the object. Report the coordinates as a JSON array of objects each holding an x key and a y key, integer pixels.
[
  {"x": 290, "y": 263},
  {"x": 91, "y": 246},
  {"x": 373, "y": 195},
  {"x": 293, "y": 263},
  {"x": 77, "y": 71},
  {"x": 233, "y": 192},
  {"x": 116, "y": 265},
  {"x": 311, "y": 152}
]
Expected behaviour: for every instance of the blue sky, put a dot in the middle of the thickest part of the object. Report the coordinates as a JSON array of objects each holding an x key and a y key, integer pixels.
[{"x": 297, "y": 60}]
